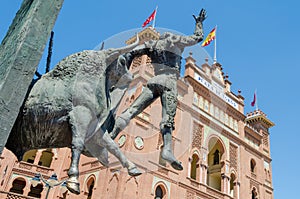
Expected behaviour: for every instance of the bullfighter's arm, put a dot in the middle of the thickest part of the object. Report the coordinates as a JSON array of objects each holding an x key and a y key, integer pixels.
[{"x": 198, "y": 33}]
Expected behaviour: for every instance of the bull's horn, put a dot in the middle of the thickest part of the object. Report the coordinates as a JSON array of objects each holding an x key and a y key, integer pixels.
[{"x": 129, "y": 47}]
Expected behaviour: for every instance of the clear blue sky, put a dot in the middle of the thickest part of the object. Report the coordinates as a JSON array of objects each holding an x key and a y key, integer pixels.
[{"x": 257, "y": 46}]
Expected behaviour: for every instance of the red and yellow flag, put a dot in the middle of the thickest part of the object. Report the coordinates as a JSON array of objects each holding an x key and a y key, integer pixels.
[{"x": 211, "y": 36}]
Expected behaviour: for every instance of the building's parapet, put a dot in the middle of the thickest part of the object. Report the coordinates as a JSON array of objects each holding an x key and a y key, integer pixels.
[{"x": 258, "y": 116}]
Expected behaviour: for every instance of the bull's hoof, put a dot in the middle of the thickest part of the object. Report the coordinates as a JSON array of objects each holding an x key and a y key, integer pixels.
[
  {"x": 73, "y": 187},
  {"x": 177, "y": 165},
  {"x": 134, "y": 171},
  {"x": 170, "y": 158}
]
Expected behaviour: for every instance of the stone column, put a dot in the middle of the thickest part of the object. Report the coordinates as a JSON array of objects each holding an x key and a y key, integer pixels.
[
  {"x": 189, "y": 167},
  {"x": 200, "y": 174},
  {"x": 20, "y": 53},
  {"x": 26, "y": 189},
  {"x": 44, "y": 192},
  {"x": 224, "y": 183},
  {"x": 203, "y": 166},
  {"x": 38, "y": 156},
  {"x": 203, "y": 179},
  {"x": 53, "y": 159},
  {"x": 228, "y": 186},
  {"x": 237, "y": 190}
]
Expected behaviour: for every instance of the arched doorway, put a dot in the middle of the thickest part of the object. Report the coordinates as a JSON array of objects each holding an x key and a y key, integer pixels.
[
  {"x": 36, "y": 191},
  {"x": 18, "y": 186}
]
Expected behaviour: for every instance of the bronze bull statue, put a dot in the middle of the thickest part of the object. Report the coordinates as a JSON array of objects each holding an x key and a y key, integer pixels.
[{"x": 72, "y": 106}]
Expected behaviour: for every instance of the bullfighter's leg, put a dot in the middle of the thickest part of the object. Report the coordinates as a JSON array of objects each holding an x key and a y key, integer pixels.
[
  {"x": 169, "y": 104},
  {"x": 80, "y": 118},
  {"x": 144, "y": 99},
  {"x": 107, "y": 142}
]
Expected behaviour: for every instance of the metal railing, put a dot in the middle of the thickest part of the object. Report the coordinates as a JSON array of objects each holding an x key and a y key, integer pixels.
[{"x": 10, "y": 195}]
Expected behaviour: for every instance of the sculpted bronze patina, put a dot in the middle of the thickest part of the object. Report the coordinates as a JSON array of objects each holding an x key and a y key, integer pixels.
[
  {"x": 165, "y": 54},
  {"x": 71, "y": 106}
]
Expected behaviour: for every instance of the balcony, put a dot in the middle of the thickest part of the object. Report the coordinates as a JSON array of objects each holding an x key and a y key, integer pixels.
[
  {"x": 215, "y": 168},
  {"x": 25, "y": 167},
  {"x": 215, "y": 193}
]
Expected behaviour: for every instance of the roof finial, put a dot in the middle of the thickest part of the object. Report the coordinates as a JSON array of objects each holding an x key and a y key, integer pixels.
[{"x": 206, "y": 60}]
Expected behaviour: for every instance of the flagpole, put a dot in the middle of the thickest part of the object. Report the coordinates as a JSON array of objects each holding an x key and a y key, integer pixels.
[
  {"x": 215, "y": 50},
  {"x": 153, "y": 23}
]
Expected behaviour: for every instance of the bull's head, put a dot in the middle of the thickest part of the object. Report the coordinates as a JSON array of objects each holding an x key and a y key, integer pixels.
[
  {"x": 117, "y": 70},
  {"x": 112, "y": 54}
]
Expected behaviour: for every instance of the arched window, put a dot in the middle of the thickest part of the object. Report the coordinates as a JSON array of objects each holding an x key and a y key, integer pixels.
[
  {"x": 159, "y": 192},
  {"x": 29, "y": 156},
  {"x": 253, "y": 166},
  {"x": 90, "y": 186},
  {"x": 36, "y": 191},
  {"x": 195, "y": 98},
  {"x": 232, "y": 185},
  {"x": 254, "y": 193},
  {"x": 46, "y": 158},
  {"x": 18, "y": 186},
  {"x": 200, "y": 102},
  {"x": 206, "y": 105},
  {"x": 131, "y": 99},
  {"x": 195, "y": 167},
  {"x": 211, "y": 111}
]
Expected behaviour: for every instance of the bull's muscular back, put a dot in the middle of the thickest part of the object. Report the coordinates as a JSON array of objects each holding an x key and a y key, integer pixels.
[
  {"x": 60, "y": 85},
  {"x": 43, "y": 123}
]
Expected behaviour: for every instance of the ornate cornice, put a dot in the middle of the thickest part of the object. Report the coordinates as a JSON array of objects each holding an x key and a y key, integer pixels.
[
  {"x": 145, "y": 35},
  {"x": 259, "y": 116}
]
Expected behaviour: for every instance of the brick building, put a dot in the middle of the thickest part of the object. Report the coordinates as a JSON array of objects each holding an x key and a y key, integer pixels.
[{"x": 225, "y": 153}]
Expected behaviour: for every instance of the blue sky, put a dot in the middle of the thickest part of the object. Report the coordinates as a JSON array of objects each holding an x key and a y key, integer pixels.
[{"x": 257, "y": 46}]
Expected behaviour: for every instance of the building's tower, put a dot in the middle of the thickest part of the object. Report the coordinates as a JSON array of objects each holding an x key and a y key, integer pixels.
[{"x": 257, "y": 134}]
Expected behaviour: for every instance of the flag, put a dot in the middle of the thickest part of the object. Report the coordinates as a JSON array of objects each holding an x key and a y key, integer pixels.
[
  {"x": 150, "y": 18},
  {"x": 211, "y": 36},
  {"x": 254, "y": 100}
]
